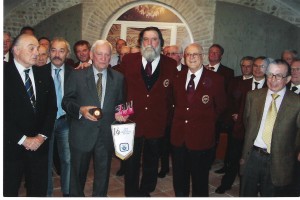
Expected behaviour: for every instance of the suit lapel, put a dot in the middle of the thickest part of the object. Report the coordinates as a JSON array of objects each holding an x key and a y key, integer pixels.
[{"x": 260, "y": 104}]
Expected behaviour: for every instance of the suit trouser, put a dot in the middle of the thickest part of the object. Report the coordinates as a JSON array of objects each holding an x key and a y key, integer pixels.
[
  {"x": 149, "y": 150},
  {"x": 80, "y": 161},
  {"x": 34, "y": 165},
  {"x": 192, "y": 163},
  {"x": 165, "y": 151},
  {"x": 257, "y": 178},
  {"x": 234, "y": 154}
]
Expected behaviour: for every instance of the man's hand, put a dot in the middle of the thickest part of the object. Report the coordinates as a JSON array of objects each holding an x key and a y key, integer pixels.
[
  {"x": 235, "y": 117},
  {"x": 83, "y": 65},
  {"x": 85, "y": 111},
  {"x": 33, "y": 143},
  {"x": 121, "y": 118}
]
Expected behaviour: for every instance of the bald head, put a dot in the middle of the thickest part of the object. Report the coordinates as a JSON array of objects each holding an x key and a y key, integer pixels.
[{"x": 25, "y": 50}]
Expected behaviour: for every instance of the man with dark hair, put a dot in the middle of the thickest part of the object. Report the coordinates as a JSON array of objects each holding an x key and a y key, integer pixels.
[
  {"x": 27, "y": 30},
  {"x": 115, "y": 58},
  {"x": 29, "y": 115},
  {"x": 149, "y": 80},
  {"x": 82, "y": 51},
  {"x": 272, "y": 138}
]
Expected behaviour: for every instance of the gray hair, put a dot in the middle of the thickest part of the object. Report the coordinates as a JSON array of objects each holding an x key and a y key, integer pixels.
[
  {"x": 61, "y": 39},
  {"x": 101, "y": 42}
]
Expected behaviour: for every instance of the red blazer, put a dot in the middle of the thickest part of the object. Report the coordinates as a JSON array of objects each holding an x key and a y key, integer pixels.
[
  {"x": 194, "y": 123},
  {"x": 152, "y": 109}
]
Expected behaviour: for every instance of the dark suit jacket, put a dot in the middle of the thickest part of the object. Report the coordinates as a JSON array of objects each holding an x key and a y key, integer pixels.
[
  {"x": 194, "y": 123},
  {"x": 152, "y": 109},
  {"x": 285, "y": 137},
  {"x": 288, "y": 86},
  {"x": 81, "y": 91},
  {"x": 19, "y": 116},
  {"x": 11, "y": 57}
]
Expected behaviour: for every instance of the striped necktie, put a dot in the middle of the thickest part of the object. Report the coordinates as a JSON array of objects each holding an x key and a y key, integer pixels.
[
  {"x": 29, "y": 88},
  {"x": 191, "y": 88}
]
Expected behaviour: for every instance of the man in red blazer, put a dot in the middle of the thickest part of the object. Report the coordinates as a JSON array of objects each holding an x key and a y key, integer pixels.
[
  {"x": 149, "y": 80},
  {"x": 198, "y": 103}
]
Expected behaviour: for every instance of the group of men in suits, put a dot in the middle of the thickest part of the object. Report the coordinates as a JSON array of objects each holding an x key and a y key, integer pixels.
[{"x": 58, "y": 102}]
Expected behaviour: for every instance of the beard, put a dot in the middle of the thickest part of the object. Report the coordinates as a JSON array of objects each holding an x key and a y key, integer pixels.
[{"x": 150, "y": 53}]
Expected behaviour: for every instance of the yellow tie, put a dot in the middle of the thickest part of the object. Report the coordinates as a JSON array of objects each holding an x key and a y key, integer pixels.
[{"x": 269, "y": 124}]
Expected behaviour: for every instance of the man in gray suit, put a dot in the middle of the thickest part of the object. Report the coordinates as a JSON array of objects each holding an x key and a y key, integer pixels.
[
  {"x": 93, "y": 87},
  {"x": 268, "y": 163}
]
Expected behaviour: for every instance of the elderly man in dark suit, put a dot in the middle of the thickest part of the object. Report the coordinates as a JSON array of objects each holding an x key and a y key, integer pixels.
[
  {"x": 199, "y": 98},
  {"x": 59, "y": 52},
  {"x": 272, "y": 138},
  {"x": 149, "y": 79},
  {"x": 29, "y": 114},
  {"x": 93, "y": 87}
]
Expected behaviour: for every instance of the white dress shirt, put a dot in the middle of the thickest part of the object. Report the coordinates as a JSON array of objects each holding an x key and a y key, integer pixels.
[
  {"x": 196, "y": 80},
  {"x": 260, "y": 83},
  {"x": 153, "y": 64}
]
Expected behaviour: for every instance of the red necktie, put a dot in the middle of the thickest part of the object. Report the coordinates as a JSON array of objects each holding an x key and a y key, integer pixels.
[
  {"x": 191, "y": 88},
  {"x": 148, "y": 69}
]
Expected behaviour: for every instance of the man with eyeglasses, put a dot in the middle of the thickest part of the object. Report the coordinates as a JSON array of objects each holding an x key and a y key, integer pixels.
[
  {"x": 272, "y": 138},
  {"x": 149, "y": 79},
  {"x": 199, "y": 101}
]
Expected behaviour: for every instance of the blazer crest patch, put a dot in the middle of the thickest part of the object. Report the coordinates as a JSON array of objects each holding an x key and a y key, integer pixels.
[
  {"x": 205, "y": 99},
  {"x": 166, "y": 83}
]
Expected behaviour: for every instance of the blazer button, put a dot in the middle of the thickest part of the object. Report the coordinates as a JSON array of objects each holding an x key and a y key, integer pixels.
[
  {"x": 187, "y": 108},
  {"x": 148, "y": 95},
  {"x": 186, "y": 121},
  {"x": 146, "y": 108}
]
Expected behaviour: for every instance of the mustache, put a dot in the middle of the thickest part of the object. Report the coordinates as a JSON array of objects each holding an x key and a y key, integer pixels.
[{"x": 57, "y": 58}]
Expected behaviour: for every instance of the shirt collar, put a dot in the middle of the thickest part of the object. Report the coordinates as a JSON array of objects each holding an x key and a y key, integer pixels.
[{"x": 20, "y": 67}]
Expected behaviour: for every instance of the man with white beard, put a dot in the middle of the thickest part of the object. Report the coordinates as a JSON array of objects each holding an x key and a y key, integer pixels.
[{"x": 149, "y": 79}]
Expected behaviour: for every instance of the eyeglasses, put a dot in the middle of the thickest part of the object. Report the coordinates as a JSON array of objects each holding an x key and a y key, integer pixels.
[
  {"x": 171, "y": 54},
  {"x": 278, "y": 77},
  {"x": 295, "y": 69},
  {"x": 193, "y": 55}
]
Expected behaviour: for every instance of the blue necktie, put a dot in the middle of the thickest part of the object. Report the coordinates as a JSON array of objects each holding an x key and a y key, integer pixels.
[
  {"x": 29, "y": 88},
  {"x": 57, "y": 83}
]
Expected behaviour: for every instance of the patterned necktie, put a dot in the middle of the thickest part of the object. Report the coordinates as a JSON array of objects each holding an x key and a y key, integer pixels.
[
  {"x": 212, "y": 68},
  {"x": 58, "y": 90},
  {"x": 256, "y": 85},
  {"x": 29, "y": 88},
  {"x": 269, "y": 124},
  {"x": 99, "y": 87},
  {"x": 294, "y": 88},
  {"x": 191, "y": 88},
  {"x": 148, "y": 69}
]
